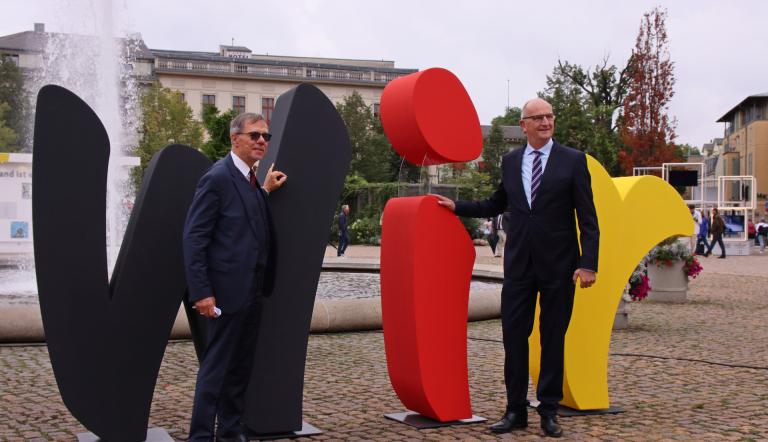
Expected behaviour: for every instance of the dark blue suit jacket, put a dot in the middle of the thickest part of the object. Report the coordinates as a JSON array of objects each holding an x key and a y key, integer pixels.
[
  {"x": 227, "y": 237},
  {"x": 545, "y": 234}
]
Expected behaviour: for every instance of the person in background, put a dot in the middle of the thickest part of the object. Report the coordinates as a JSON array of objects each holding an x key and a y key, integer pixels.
[
  {"x": 762, "y": 234},
  {"x": 343, "y": 231},
  {"x": 499, "y": 228},
  {"x": 717, "y": 229},
  {"x": 701, "y": 238}
]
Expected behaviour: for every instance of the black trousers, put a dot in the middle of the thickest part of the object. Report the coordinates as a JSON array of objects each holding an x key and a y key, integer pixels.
[
  {"x": 224, "y": 372},
  {"x": 518, "y": 305},
  {"x": 343, "y": 242}
]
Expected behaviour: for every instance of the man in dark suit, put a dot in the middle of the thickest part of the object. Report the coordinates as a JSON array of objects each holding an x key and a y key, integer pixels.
[
  {"x": 542, "y": 186},
  {"x": 226, "y": 253}
]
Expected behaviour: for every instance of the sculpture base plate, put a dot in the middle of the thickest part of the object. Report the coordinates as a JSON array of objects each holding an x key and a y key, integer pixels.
[
  {"x": 153, "y": 435},
  {"x": 306, "y": 431},
  {"x": 422, "y": 422},
  {"x": 564, "y": 411}
]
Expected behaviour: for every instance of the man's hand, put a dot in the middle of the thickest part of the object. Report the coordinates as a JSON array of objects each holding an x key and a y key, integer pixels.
[
  {"x": 445, "y": 202},
  {"x": 274, "y": 179},
  {"x": 587, "y": 277},
  {"x": 205, "y": 307}
]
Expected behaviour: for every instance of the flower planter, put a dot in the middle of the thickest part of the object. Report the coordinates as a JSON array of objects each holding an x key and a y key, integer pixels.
[
  {"x": 668, "y": 283},
  {"x": 621, "y": 320}
]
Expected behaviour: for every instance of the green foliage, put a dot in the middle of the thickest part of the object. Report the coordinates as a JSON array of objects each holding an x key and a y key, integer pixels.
[
  {"x": 473, "y": 185},
  {"x": 365, "y": 231},
  {"x": 166, "y": 119},
  {"x": 217, "y": 125},
  {"x": 13, "y": 95},
  {"x": 371, "y": 152},
  {"x": 586, "y": 104},
  {"x": 7, "y": 135},
  {"x": 494, "y": 148},
  {"x": 686, "y": 150},
  {"x": 511, "y": 117}
]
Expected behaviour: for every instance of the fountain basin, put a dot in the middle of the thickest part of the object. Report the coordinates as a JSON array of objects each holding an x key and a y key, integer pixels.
[{"x": 21, "y": 321}]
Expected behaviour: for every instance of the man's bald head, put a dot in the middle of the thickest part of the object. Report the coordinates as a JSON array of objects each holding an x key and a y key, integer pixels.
[{"x": 535, "y": 103}]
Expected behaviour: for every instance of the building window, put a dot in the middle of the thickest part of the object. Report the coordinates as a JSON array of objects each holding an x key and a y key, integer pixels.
[
  {"x": 241, "y": 68},
  {"x": 183, "y": 97},
  {"x": 267, "y": 106},
  {"x": 238, "y": 104},
  {"x": 749, "y": 164},
  {"x": 209, "y": 100},
  {"x": 376, "y": 112}
]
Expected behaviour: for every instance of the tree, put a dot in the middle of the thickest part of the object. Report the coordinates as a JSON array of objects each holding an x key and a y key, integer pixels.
[
  {"x": 217, "y": 125},
  {"x": 686, "y": 150},
  {"x": 371, "y": 152},
  {"x": 7, "y": 135},
  {"x": 587, "y": 105},
  {"x": 647, "y": 131},
  {"x": 494, "y": 148},
  {"x": 166, "y": 119},
  {"x": 511, "y": 117},
  {"x": 12, "y": 93}
]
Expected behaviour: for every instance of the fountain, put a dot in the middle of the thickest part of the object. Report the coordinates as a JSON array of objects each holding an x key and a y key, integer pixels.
[{"x": 89, "y": 55}]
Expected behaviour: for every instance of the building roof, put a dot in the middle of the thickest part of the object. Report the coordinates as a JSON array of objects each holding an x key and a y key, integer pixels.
[
  {"x": 727, "y": 117},
  {"x": 31, "y": 41},
  {"x": 510, "y": 132},
  {"x": 234, "y": 48},
  {"x": 27, "y": 41},
  {"x": 276, "y": 60}
]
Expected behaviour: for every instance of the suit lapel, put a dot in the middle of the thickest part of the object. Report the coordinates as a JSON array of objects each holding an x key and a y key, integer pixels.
[
  {"x": 553, "y": 162},
  {"x": 246, "y": 194},
  {"x": 518, "y": 191}
]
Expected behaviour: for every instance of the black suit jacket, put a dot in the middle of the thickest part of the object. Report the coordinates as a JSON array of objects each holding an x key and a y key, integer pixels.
[
  {"x": 545, "y": 234},
  {"x": 227, "y": 237}
]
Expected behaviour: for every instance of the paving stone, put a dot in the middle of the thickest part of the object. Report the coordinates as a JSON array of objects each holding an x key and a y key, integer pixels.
[{"x": 681, "y": 372}]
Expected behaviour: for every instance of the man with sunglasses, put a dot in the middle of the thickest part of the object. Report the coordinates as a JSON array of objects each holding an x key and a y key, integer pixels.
[
  {"x": 227, "y": 249},
  {"x": 544, "y": 187}
]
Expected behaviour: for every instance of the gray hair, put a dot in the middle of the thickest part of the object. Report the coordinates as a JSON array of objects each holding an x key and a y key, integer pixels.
[{"x": 238, "y": 123}]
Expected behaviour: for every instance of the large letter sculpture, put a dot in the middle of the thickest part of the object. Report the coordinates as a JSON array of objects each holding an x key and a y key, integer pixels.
[
  {"x": 106, "y": 339},
  {"x": 426, "y": 254},
  {"x": 312, "y": 147},
  {"x": 635, "y": 214}
]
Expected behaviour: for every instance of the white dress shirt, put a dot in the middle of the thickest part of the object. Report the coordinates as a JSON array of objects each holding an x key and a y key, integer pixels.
[{"x": 245, "y": 170}]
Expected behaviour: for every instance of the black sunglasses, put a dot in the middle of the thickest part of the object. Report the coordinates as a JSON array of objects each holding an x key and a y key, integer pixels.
[{"x": 256, "y": 135}]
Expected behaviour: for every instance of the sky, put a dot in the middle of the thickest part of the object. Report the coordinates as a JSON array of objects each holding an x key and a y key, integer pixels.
[{"x": 501, "y": 50}]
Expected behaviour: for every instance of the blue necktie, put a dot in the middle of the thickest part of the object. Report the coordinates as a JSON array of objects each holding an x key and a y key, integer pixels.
[{"x": 535, "y": 175}]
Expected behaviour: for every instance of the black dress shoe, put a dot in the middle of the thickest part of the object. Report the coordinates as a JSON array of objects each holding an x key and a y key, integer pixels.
[
  {"x": 550, "y": 426},
  {"x": 721, "y": 257},
  {"x": 510, "y": 421},
  {"x": 239, "y": 438}
]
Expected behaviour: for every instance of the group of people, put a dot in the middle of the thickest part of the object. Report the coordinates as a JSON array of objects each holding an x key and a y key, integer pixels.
[
  {"x": 493, "y": 231},
  {"x": 714, "y": 226},
  {"x": 545, "y": 189},
  {"x": 704, "y": 227}
]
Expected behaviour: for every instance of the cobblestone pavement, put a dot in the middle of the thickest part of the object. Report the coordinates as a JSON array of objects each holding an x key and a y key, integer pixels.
[{"x": 693, "y": 371}]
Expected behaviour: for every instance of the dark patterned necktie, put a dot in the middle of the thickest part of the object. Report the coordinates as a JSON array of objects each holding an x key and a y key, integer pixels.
[
  {"x": 535, "y": 174},
  {"x": 252, "y": 179}
]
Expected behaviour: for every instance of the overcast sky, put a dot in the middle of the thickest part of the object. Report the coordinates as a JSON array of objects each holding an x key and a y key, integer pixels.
[{"x": 719, "y": 48}]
